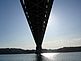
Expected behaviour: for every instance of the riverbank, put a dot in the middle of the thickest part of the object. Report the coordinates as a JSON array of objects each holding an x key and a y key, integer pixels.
[{"x": 22, "y": 51}]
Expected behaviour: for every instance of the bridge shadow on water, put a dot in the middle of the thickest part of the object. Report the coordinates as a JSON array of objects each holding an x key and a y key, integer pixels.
[{"x": 41, "y": 58}]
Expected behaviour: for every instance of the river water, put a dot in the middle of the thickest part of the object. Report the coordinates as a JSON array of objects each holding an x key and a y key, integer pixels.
[{"x": 72, "y": 56}]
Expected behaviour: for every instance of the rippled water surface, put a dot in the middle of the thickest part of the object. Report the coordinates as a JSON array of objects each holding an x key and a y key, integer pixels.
[{"x": 73, "y": 56}]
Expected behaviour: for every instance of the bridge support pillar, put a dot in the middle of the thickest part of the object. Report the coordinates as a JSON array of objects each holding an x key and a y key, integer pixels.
[{"x": 38, "y": 49}]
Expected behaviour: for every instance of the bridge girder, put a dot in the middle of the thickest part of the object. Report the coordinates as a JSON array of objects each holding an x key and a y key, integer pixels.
[{"x": 37, "y": 13}]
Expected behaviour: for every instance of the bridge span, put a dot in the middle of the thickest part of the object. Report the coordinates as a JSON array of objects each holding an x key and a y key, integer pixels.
[{"x": 37, "y": 13}]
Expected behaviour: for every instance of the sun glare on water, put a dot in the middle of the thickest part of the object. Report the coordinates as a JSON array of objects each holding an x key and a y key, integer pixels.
[{"x": 50, "y": 55}]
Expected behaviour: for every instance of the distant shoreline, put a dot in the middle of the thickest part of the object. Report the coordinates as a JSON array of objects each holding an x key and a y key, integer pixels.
[{"x": 22, "y": 51}]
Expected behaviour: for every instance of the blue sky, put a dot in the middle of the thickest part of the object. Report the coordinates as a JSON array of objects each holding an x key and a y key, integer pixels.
[{"x": 63, "y": 29}]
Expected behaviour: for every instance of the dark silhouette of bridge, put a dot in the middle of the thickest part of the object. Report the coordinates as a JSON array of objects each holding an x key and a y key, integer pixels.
[{"x": 37, "y": 13}]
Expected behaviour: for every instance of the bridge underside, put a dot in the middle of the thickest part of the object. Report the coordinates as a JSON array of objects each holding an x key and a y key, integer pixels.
[{"x": 37, "y": 13}]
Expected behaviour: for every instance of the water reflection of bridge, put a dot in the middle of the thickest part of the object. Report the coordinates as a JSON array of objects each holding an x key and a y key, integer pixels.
[
  {"x": 41, "y": 58},
  {"x": 37, "y": 13}
]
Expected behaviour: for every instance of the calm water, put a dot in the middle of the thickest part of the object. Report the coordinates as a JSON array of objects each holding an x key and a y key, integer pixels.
[{"x": 74, "y": 56}]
